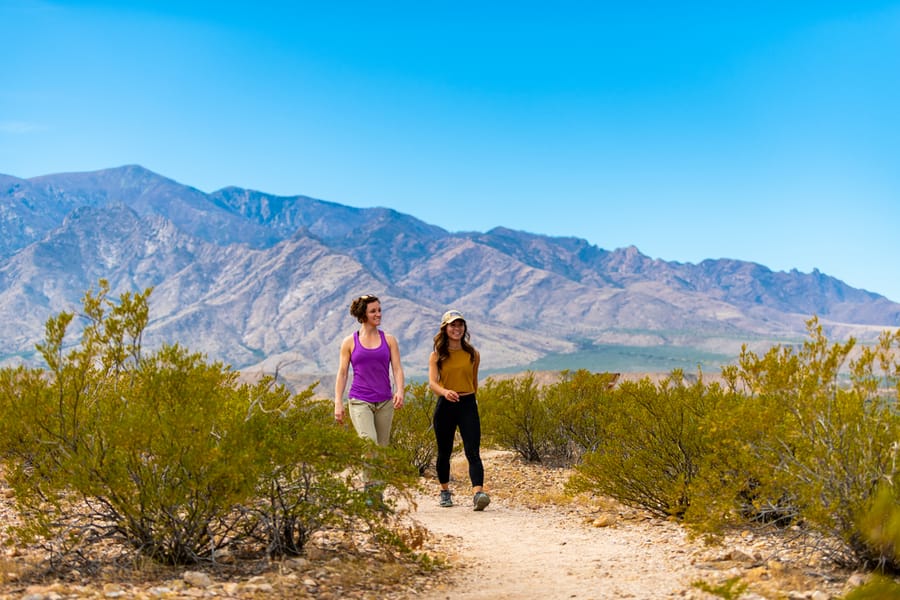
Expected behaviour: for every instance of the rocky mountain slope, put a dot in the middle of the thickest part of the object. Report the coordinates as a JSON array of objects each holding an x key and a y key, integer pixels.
[{"x": 262, "y": 281}]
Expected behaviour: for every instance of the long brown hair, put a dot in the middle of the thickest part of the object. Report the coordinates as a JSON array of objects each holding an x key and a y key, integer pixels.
[{"x": 442, "y": 345}]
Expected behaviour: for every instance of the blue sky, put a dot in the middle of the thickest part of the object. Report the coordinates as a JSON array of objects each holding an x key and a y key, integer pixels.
[{"x": 760, "y": 131}]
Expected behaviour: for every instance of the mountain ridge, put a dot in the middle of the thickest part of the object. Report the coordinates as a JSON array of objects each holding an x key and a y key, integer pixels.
[{"x": 263, "y": 281}]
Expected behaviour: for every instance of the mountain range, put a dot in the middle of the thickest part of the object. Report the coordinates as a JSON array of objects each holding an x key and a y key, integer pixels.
[{"x": 264, "y": 282}]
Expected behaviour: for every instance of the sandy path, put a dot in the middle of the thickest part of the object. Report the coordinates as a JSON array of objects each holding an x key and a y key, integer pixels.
[{"x": 514, "y": 553}]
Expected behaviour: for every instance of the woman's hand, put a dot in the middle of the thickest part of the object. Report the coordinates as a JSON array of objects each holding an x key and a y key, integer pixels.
[
  {"x": 339, "y": 411},
  {"x": 451, "y": 395},
  {"x": 398, "y": 400}
]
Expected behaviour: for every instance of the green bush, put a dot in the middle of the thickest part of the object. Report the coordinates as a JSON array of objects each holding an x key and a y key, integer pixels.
[
  {"x": 827, "y": 444},
  {"x": 170, "y": 455},
  {"x": 413, "y": 432},
  {"x": 573, "y": 403},
  {"x": 734, "y": 482},
  {"x": 514, "y": 416},
  {"x": 797, "y": 435},
  {"x": 878, "y": 588},
  {"x": 730, "y": 589},
  {"x": 879, "y": 525},
  {"x": 309, "y": 472},
  {"x": 651, "y": 448}
]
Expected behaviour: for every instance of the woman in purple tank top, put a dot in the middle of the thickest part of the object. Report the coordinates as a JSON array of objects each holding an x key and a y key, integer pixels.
[{"x": 373, "y": 356}]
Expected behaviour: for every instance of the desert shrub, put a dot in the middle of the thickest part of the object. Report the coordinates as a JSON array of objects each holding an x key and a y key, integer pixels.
[
  {"x": 730, "y": 589},
  {"x": 879, "y": 525},
  {"x": 168, "y": 454},
  {"x": 412, "y": 428},
  {"x": 804, "y": 445},
  {"x": 734, "y": 482},
  {"x": 838, "y": 442},
  {"x": 574, "y": 408},
  {"x": 20, "y": 390},
  {"x": 125, "y": 447},
  {"x": 878, "y": 588},
  {"x": 651, "y": 448},
  {"x": 308, "y": 471},
  {"x": 559, "y": 421},
  {"x": 514, "y": 416}
]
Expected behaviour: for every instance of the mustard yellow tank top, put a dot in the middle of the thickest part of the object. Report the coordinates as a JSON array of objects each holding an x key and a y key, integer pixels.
[{"x": 458, "y": 372}]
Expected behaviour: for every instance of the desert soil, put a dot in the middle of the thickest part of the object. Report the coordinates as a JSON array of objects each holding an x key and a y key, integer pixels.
[
  {"x": 510, "y": 552},
  {"x": 533, "y": 541}
]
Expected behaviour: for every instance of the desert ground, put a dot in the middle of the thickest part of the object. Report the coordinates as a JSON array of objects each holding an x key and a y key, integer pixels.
[{"x": 533, "y": 541}]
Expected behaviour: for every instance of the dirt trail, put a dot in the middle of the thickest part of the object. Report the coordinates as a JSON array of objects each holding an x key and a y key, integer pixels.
[{"x": 509, "y": 553}]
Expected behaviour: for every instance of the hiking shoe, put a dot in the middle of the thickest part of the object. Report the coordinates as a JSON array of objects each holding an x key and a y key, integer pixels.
[
  {"x": 481, "y": 500},
  {"x": 446, "y": 498}
]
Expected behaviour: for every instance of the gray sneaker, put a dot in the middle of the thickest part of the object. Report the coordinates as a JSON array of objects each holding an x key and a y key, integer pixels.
[
  {"x": 446, "y": 498},
  {"x": 481, "y": 500}
]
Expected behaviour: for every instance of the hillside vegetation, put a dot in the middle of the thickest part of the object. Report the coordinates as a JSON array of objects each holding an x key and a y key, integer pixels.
[{"x": 171, "y": 458}]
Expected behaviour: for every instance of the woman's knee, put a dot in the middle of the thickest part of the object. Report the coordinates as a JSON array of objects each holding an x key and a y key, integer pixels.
[{"x": 472, "y": 452}]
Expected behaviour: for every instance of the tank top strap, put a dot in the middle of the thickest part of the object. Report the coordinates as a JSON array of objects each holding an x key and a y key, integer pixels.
[{"x": 357, "y": 345}]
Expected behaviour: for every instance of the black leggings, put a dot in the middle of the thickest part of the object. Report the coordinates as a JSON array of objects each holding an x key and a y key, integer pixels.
[{"x": 448, "y": 416}]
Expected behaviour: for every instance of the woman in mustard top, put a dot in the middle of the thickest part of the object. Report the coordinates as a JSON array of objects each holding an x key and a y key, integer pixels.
[{"x": 453, "y": 376}]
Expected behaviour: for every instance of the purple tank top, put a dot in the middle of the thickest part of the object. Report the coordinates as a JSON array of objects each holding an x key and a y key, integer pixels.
[{"x": 371, "y": 381}]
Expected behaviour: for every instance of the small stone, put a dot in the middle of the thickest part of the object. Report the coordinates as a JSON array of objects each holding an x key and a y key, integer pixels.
[
  {"x": 197, "y": 579},
  {"x": 298, "y": 563},
  {"x": 739, "y": 555},
  {"x": 159, "y": 591},
  {"x": 856, "y": 580},
  {"x": 604, "y": 520},
  {"x": 230, "y": 588}
]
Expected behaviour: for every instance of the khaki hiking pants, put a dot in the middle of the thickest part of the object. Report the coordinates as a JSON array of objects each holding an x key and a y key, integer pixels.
[{"x": 372, "y": 420}]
